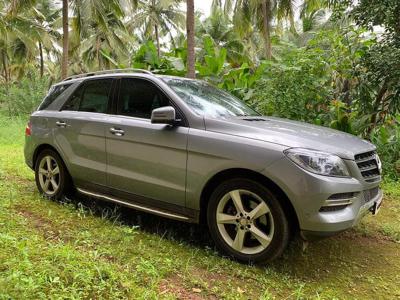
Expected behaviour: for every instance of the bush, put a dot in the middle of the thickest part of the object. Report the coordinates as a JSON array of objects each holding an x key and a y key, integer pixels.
[
  {"x": 295, "y": 87},
  {"x": 387, "y": 140},
  {"x": 23, "y": 97}
]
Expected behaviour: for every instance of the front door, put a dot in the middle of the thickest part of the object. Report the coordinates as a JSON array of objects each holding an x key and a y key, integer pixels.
[{"x": 145, "y": 159}]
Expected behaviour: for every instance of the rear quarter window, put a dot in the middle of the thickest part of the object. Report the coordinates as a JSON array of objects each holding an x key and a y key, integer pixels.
[{"x": 52, "y": 95}]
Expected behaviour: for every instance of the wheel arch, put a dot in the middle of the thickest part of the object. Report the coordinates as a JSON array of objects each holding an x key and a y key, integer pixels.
[
  {"x": 227, "y": 174},
  {"x": 43, "y": 147}
]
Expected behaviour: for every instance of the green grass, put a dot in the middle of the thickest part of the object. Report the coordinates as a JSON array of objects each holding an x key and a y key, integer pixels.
[{"x": 85, "y": 249}]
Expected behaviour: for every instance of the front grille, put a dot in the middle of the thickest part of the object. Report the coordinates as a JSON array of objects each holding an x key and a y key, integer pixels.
[{"x": 368, "y": 165}]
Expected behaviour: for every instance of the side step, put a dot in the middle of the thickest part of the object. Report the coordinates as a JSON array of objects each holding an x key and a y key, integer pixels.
[{"x": 134, "y": 206}]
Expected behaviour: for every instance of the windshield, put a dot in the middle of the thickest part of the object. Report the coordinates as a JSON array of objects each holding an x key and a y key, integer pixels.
[{"x": 207, "y": 100}]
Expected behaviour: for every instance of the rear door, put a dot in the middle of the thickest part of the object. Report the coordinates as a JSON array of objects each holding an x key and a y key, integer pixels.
[
  {"x": 80, "y": 131},
  {"x": 145, "y": 159}
]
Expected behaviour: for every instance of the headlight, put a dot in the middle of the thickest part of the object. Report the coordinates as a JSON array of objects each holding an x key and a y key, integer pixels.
[{"x": 318, "y": 162}]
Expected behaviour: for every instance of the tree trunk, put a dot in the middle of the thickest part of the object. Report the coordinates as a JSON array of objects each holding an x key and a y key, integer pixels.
[
  {"x": 5, "y": 68},
  {"x": 64, "y": 62},
  {"x": 41, "y": 60},
  {"x": 98, "y": 53},
  {"x": 378, "y": 101},
  {"x": 157, "y": 39},
  {"x": 191, "y": 73},
  {"x": 292, "y": 24},
  {"x": 266, "y": 14}
]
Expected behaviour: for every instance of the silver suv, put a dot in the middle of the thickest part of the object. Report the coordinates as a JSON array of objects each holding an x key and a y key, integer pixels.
[{"x": 186, "y": 150}]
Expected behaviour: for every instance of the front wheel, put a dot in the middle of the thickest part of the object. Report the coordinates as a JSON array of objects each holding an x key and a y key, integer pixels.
[
  {"x": 247, "y": 221},
  {"x": 51, "y": 175}
]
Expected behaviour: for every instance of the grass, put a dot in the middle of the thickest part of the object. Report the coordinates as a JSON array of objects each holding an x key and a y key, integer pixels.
[{"x": 79, "y": 248}]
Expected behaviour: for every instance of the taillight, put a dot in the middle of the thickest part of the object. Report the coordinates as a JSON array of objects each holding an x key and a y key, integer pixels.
[{"x": 28, "y": 129}]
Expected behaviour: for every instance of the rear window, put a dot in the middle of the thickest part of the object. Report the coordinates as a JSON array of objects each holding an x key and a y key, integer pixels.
[
  {"x": 92, "y": 96},
  {"x": 52, "y": 95}
]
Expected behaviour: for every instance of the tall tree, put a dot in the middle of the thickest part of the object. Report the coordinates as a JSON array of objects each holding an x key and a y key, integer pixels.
[
  {"x": 64, "y": 62},
  {"x": 19, "y": 34},
  {"x": 191, "y": 73},
  {"x": 157, "y": 18},
  {"x": 266, "y": 27}
]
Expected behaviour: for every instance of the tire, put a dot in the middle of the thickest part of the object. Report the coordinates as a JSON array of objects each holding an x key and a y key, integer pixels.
[
  {"x": 56, "y": 183},
  {"x": 258, "y": 232}
]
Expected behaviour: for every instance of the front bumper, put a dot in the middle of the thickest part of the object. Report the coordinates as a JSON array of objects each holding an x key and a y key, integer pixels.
[
  {"x": 333, "y": 227},
  {"x": 309, "y": 192}
]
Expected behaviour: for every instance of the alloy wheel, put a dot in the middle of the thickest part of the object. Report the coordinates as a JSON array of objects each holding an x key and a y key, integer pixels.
[
  {"x": 49, "y": 175},
  {"x": 245, "y": 221}
]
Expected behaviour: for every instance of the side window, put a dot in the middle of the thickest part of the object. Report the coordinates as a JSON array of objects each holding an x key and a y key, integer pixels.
[
  {"x": 73, "y": 102},
  {"x": 138, "y": 97},
  {"x": 92, "y": 96},
  {"x": 53, "y": 94}
]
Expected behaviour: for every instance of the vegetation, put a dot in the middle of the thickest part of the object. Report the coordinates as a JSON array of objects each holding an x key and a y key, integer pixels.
[
  {"x": 79, "y": 248},
  {"x": 336, "y": 65},
  {"x": 328, "y": 67}
]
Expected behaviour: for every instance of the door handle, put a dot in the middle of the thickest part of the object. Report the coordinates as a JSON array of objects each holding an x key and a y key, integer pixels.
[
  {"x": 61, "y": 124},
  {"x": 117, "y": 131}
]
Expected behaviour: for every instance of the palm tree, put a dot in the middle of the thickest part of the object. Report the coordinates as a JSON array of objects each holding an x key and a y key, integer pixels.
[
  {"x": 97, "y": 33},
  {"x": 88, "y": 17},
  {"x": 260, "y": 13},
  {"x": 191, "y": 73},
  {"x": 221, "y": 30},
  {"x": 266, "y": 27},
  {"x": 18, "y": 39},
  {"x": 46, "y": 13},
  {"x": 248, "y": 13},
  {"x": 64, "y": 62},
  {"x": 158, "y": 17}
]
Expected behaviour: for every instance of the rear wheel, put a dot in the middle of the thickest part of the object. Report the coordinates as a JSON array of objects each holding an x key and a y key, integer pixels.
[
  {"x": 247, "y": 222},
  {"x": 51, "y": 175}
]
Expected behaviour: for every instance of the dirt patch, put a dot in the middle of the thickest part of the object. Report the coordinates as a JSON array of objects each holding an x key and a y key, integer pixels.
[
  {"x": 44, "y": 226},
  {"x": 16, "y": 179},
  {"x": 375, "y": 238},
  {"x": 174, "y": 285}
]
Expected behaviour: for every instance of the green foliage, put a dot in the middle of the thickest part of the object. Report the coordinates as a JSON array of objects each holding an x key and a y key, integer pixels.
[
  {"x": 213, "y": 62},
  {"x": 23, "y": 97},
  {"x": 147, "y": 58},
  {"x": 379, "y": 68},
  {"x": 295, "y": 86},
  {"x": 387, "y": 140}
]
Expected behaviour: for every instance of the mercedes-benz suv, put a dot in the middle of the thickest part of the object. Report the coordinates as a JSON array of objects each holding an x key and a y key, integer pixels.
[{"x": 183, "y": 149}]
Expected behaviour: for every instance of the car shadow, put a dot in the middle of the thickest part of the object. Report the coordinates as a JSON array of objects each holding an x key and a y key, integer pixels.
[
  {"x": 318, "y": 261},
  {"x": 192, "y": 234}
]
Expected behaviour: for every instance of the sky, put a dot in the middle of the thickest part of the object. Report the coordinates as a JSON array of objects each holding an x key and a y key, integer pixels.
[{"x": 203, "y": 5}]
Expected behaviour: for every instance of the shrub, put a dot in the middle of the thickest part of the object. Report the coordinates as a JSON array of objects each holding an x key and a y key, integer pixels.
[
  {"x": 387, "y": 140},
  {"x": 23, "y": 97}
]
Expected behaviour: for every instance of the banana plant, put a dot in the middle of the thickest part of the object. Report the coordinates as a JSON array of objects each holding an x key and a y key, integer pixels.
[{"x": 214, "y": 61}]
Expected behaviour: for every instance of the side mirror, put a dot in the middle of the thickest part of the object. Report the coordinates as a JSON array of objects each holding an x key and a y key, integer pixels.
[{"x": 163, "y": 115}]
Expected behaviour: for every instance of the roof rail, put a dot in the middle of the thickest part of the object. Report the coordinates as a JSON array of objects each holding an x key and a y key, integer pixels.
[{"x": 108, "y": 72}]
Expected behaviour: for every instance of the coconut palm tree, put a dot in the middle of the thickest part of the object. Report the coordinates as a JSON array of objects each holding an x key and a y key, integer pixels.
[
  {"x": 219, "y": 27},
  {"x": 260, "y": 14},
  {"x": 64, "y": 62},
  {"x": 19, "y": 33},
  {"x": 97, "y": 33},
  {"x": 191, "y": 58},
  {"x": 255, "y": 13},
  {"x": 156, "y": 18},
  {"x": 84, "y": 14}
]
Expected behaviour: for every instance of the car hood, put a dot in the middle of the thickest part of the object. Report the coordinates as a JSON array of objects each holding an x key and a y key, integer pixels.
[{"x": 291, "y": 134}]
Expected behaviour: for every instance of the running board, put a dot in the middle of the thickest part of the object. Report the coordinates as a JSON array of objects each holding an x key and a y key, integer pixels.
[{"x": 134, "y": 206}]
